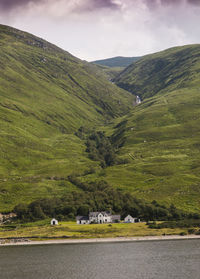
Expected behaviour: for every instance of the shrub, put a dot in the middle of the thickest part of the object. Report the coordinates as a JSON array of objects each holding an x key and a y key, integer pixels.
[
  {"x": 100, "y": 149},
  {"x": 183, "y": 233},
  {"x": 191, "y": 231}
]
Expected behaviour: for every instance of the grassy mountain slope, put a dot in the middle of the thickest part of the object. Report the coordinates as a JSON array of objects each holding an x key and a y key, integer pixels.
[
  {"x": 45, "y": 95},
  {"x": 162, "y": 72},
  {"x": 160, "y": 138},
  {"x": 118, "y": 61},
  {"x": 110, "y": 73}
]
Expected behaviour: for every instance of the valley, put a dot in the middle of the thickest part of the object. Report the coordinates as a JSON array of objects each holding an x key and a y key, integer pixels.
[{"x": 47, "y": 95}]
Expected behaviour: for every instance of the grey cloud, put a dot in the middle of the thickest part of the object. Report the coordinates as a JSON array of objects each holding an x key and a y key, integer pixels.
[
  {"x": 194, "y": 2},
  {"x": 94, "y": 5},
  {"x": 11, "y": 4},
  {"x": 7, "y": 5},
  {"x": 105, "y": 4},
  {"x": 91, "y": 5},
  {"x": 157, "y": 3}
]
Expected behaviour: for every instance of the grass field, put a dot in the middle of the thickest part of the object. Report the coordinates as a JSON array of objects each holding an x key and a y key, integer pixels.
[{"x": 43, "y": 229}]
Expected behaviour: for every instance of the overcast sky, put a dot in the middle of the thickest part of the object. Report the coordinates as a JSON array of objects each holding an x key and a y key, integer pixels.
[{"x": 95, "y": 29}]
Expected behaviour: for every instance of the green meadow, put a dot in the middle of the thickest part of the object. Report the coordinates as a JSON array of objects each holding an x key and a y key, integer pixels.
[{"x": 43, "y": 230}]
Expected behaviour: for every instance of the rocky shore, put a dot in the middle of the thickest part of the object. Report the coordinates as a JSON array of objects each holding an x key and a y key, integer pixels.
[{"x": 15, "y": 242}]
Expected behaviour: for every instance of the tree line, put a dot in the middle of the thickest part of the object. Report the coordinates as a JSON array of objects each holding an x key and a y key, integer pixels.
[{"x": 96, "y": 196}]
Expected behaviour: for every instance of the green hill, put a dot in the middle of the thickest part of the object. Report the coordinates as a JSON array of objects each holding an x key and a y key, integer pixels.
[
  {"x": 46, "y": 94},
  {"x": 151, "y": 150},
  {"x": 118, "y": 61},
  {"x": 162, "y": 72},
  {"x": 110, "y": 73},
  {"x": 161, "y": 137}
]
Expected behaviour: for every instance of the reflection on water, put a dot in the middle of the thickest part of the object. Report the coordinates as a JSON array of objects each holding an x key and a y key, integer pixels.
[{"x": 137, "y": 260}]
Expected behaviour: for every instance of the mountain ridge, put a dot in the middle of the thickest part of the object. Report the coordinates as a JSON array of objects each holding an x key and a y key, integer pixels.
[
  {"x": 163, "y": 70},
  {"x": 118, "y": 61}
]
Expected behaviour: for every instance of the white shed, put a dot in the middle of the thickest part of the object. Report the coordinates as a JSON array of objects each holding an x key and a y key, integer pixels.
[
  {"x": 54, "y": 222},
  {"x": 130, "y": 219},
  {"x": 82, "y": 220}
]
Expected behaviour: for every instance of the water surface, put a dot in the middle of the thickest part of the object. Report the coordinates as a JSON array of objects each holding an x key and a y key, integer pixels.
[{"x": 130, "y": 260}]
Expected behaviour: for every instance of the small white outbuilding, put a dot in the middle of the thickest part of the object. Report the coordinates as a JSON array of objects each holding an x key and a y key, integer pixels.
[
  {"x": 54, "y": 222},
  {"x": 130, "y": 219}
]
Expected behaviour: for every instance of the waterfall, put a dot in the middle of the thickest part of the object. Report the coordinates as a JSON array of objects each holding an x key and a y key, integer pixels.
[{"x": 138, "y": 100}]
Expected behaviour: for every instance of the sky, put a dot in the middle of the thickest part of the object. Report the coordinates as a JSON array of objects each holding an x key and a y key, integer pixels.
[{"x": 98, "y": 29}]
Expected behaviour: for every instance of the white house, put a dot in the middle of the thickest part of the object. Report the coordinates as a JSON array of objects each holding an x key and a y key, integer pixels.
[
  {"x": 82, "y": 220},
  {"x": 130, "y": 219},
  {"x": 98, "y": 218},
  {"x": 54, "y": 222}
]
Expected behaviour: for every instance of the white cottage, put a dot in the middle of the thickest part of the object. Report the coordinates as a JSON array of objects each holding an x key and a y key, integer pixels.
[
  {"x": 130, "y": 219},
  {"x": 82, "y": 220},
  {"x": 54, "y": 222},
  {"x": 98, "y": 218}
]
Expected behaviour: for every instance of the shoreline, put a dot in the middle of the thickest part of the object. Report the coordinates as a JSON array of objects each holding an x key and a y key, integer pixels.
[{"x": 102, "y": 240}]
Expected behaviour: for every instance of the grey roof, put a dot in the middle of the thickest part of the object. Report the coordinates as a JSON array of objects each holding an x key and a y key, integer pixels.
[
  {"x": 116, "y": 217},
  {"x": 129, "y": 216},
  {"x": 82, "y": 218},
  {"x": 95, "y": 214}
]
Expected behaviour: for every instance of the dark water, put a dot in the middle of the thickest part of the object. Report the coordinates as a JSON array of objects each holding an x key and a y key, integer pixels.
[{"x": 134, "y": 260}]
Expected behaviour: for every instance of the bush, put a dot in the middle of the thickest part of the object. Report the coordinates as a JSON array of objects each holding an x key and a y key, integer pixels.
[
  {"x": 71, "y": 216},
  {"x": 191, "y": 231},
  {"x": 100, "y": 149},
  {"x": 183, "y": 233}
]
